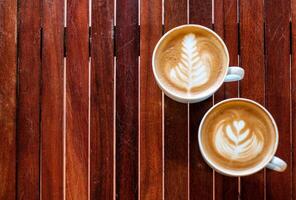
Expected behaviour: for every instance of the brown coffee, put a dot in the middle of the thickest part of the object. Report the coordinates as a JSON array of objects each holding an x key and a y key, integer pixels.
[
  {"x": 191, "y": 61},
  {"x": 238, "y": 135}
]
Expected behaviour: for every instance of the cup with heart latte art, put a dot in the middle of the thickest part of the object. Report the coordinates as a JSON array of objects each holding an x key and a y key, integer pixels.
[
  {"x": 238, "y": 137},
  {"x": 191, "y": 62}
]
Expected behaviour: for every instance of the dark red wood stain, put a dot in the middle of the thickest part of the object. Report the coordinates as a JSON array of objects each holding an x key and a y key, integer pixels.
[
  {"x": 52, "y": 99},
  {"x": 201, "y": 175},
  {"x": 77, "y": 81},
  {"x": 293, "y": 93},
  {"x": 175, "y": 121},
  {"x": 225, "y": 21},
  {"x": 226, "y": 25},
  {"x": 127, "y": 48},
  {"x": 28, "y": 116},
  {"x": 8, "y": 49},
  {"x": 145, "y": 148},
  {"x": 252, "y": 60},
  {"x": 102, "y": 98},
  {"x": 151, "y": 159},
  {"x": 278, "y": 98}
]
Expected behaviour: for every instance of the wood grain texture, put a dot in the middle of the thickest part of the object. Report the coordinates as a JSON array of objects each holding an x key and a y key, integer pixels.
[
  {"x": 31, "y": 99},
  {"x": 175, "y": 121},
  {"x": 52, "y": 99},
  {"x": 252, "y": 87},
  {"x": 278, "y": 98},
  {"x": 151, "y": 158},
  {"x": 219, "y": 27},
  {"x": 201, "y": 175},
  {"x": 225, "y": 24},
  {"x": 293, "y": 93},
  {"x": 77, "y": 100},
  {"x": 8, "y": 70},
  {"x": 102, "y": 98},
  {"x": 127, "y": 49},
  {"x": 28, "y": 116}
]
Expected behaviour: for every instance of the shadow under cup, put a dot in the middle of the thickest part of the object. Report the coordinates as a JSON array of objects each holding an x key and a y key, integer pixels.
[{"x": 238, "y": 137}]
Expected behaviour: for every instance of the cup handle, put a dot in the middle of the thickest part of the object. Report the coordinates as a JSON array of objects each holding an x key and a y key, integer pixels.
[
  {"x": 234, "y": 74},
  {"x": 277, "y": 164}
]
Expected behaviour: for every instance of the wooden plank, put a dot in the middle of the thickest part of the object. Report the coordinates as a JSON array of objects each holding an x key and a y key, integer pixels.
[
  {"x": 151, "y": 159},
  {"x": 77, "y": 100},
  {"x": 8, "y": 49},
  {"x": 219, "y": 27},
  {"x": 52, "y": 100},
  {"x": 277, "y": 37},
  {"x": 201, "y": 175},
  {"x": 175, "y": 121},
  {"x": 225, "y": 24},
  {"x": 28, "y": 116},
  {"x": 200, "y": 12},
  {"x": 293, "y": 93},
  {"x": 127, "y": 48},
  {"x": 102, "y": 98},
  {"x": 252, "y": 87}
]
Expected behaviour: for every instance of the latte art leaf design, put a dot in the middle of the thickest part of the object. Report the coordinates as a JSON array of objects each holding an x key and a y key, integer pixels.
[
  {"x": 193, "y": 69},
  {"x": 236, "y": 142}
]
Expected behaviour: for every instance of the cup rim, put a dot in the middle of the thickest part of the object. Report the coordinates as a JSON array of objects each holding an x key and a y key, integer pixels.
[
  {"x": 195, "y": 97},
  {"x": 247, "y": 171}
]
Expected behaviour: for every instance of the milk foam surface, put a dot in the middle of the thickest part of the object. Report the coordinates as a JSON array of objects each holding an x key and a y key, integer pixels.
[
  {"x": 194, "y": 69},
  {"x": 191, "y": 61},
  {"x": 238, "y": 135},
  {"x": 235, "y": 140}
]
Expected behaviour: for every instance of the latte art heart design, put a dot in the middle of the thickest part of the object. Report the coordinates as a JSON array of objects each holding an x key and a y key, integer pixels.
[
  {"x": 237, "y": 142},
  {"x": 193, "y": 70}
]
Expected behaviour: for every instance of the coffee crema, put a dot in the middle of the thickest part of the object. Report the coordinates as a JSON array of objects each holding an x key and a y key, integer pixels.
[
  {"x": 191, "y": 61},
  {"x": 238, "y": 135}
]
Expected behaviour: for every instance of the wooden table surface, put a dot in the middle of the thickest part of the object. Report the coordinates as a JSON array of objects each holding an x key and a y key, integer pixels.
[{"x": 81, "y": 116}]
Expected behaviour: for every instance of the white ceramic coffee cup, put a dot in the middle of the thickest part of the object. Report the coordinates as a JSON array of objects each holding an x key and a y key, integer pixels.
[
  {"x": 271, "y": 161},
  {"x": 233, "y": 73}
]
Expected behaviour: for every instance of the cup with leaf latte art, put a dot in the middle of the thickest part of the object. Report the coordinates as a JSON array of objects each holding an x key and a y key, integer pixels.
[
  {"x": 238, "y": 137},
  {"x": 190, "y": 63}
]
